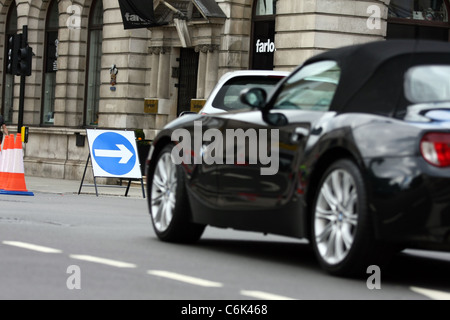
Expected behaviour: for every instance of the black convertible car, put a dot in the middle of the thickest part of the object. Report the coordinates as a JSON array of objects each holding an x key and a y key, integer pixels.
[{"x": 351, "y": 151}]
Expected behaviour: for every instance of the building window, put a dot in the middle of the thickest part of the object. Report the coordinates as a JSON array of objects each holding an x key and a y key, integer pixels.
[
  {"x": 427, "y": 10},
  {"x": 50, "y": 64},
  {"x": 263, "y": 35},
  {"x": 419, "y": 19},
  {"x": 8, "y": 79},
  {"x": 94, "y": 64},
  {"x": 265, "y": 7}
]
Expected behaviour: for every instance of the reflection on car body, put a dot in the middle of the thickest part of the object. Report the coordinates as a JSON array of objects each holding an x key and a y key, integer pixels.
[{"x": 364, "y": 147}]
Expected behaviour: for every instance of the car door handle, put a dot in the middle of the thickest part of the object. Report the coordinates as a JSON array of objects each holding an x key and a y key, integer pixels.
[{"x": 298, "y": 134}]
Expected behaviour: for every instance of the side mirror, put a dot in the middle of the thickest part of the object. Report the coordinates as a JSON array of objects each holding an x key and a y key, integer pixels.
[
  {"x": 254, "y": 97},
  {"x": 275, "y": 119}
]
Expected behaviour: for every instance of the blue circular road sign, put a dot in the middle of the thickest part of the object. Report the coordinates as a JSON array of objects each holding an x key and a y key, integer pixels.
[{"x": 114, "y": 153}]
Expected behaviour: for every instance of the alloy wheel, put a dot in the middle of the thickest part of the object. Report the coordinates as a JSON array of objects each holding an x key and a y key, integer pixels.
[
  {"x": 336, "y": 216},
  {"x": 163, "y": 192}
]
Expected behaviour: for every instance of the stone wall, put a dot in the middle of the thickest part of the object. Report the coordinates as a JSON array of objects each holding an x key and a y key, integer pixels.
[
  {"x": 306, "y": 28},
  {"x": 53, "y": 152},
  {"x": 235, "y": 37}
]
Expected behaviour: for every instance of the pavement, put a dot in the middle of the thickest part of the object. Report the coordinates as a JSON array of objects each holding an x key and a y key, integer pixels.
[{"x": 63, "y": 186}]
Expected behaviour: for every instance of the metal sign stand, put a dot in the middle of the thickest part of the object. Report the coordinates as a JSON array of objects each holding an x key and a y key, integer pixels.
[
  {"x": 113, "y": 154},
  {"x": 95, "y": 185}
]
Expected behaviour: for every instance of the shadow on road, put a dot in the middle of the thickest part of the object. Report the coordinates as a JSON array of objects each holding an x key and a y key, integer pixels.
[
  {"x": 417, "y": 270},
  {"x": 427, "y": 270},
  {"x": 288, "y": 253}
]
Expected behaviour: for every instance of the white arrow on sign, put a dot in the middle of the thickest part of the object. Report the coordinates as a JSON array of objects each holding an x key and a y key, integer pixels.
[{"x": 122, "y": 153}]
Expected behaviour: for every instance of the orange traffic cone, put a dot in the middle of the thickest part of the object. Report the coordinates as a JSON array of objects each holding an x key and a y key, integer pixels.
[
  {"x": 16, "y": 173},
  {"x": 1, "y": 162},
  {"x": 6, "y": 159}
]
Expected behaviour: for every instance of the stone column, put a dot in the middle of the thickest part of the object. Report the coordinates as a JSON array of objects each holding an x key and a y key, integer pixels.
[
  {"x": 154, "y": 51},
  {"x": 69, "y": 95},
  {"x": 202, "y": 69},
  {"x": 306, "y": 28},
  {"x": 122, "y": 108},
  {"x": 207, "y": 69},
  {"x": 163, "y": 73},
  {"x": 31, "y": 112},
  {"x": 235, "y": 35},
  {"x": 212, "y": 65}
]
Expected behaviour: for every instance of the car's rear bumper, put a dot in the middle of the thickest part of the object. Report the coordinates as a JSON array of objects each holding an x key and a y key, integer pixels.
[{"x": 410, "y": 201}]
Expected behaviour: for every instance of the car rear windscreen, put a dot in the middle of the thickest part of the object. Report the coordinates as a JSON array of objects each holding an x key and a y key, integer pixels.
[{"x": 428, "y": 83}]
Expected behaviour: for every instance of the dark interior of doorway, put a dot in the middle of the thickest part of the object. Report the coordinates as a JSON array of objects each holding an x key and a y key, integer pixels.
[
  {"x": 187, "y": 81},
  {"x": 262, "y": 30}
]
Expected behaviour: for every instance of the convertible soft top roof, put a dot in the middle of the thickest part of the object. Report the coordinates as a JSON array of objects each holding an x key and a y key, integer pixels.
[
  {"x": 380, "y": 51},
  {"x": 372, "y": 73}
]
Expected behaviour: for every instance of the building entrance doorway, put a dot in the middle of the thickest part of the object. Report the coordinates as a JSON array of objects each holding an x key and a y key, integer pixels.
[{"x": 263, "y": 35}]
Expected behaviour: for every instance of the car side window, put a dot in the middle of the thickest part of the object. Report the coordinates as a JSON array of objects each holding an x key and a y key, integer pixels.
[
  {"x": 228, "y": 96},
  {"x": 310, "y": 88}
]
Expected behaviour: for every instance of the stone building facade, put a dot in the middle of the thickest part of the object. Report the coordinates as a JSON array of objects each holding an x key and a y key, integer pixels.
[{"x": 90, "y": 72}]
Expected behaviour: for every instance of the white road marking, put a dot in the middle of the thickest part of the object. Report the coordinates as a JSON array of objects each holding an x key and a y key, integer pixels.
[
  {"x": 109, "y": 262},
  {"x": 32, "y": 247},
  {"x": 263, "y": 295},
  {"x": 183, "y": 278},
  {"x": 433, "y": 294}
]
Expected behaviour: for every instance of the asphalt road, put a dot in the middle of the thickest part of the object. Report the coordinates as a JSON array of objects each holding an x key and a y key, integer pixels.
[{"x": 69, "y": 246}]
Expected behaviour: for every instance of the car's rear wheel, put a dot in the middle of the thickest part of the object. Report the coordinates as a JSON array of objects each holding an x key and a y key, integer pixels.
[
  {"x": 342, "y": 232},
  {"x": 168, "y": 202}
]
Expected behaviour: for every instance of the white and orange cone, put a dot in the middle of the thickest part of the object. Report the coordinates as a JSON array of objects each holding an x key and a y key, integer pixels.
[
  {"x": 6, "y": 159},
  {"x": 1, "y": 158},
  {"x": 15, "y": 181},
  {"x": 1, "y": 161}
]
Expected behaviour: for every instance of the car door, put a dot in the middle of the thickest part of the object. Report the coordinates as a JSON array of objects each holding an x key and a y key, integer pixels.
[
  {"x": 269, "y": 178},
  {"x": 258, "y": 163},
  {"x": 191, "y": 152}
]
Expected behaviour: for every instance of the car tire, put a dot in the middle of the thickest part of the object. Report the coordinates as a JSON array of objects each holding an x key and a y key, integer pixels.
[
  {"x": 168, "y": 201},
  {"x": 342, "y": 230}
]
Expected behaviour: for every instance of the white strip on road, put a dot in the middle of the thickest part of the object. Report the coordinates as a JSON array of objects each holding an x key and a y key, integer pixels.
[
  {"x": 264, "y": 295},
  {"x": 112, "y": 263},
  {"x": 30, "y": 246},
  {"x": 183, "y": 278},
  {"x": 433, "y": 294}
]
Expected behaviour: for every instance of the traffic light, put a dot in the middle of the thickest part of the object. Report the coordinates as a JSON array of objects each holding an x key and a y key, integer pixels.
[
  {"x": 25, "y": 61},
  {"x": 14, "y": 44},
  {"x": 19, "y": 57}
]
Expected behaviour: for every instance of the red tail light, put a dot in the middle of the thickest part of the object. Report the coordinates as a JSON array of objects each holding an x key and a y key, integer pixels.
[{"x": 435, "y": 149}]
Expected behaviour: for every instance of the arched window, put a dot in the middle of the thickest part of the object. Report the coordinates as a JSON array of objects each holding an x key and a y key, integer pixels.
[
  {"x": 263, "y": 35},
  {"x": 50, "y": 64},
  {"x": 419, "y": 19},
  {"x": 94, "y": 64},
  {"x": 8, "y": 79}
]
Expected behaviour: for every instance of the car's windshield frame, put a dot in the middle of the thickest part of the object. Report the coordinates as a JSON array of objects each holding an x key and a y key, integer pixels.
[{"x": 311, "y": 87}]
